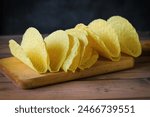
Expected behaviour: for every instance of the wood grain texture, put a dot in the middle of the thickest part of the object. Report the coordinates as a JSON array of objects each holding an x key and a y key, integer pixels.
[
  {"x": 127, "y": 84},
  {"x": 96, "y": 89},
  {"x": 25, "y": 77}
]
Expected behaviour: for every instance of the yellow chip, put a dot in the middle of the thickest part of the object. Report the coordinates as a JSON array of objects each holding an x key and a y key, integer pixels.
[
  {"x": 73, "y": 56},
  {"x": 81, "y": 35},
  {"x": 86, "y": 49},
  {"x": 86, "y": 58},
  {"x": 107, "y": 34},
  {"x": 91, "y": 61},
  {"x": 89, "y": 34},
  {"x": 97, "y": 43},
  {"x": 34, "y": 47},
  {"x": 127, "y": 35},
  {"x": 19, "y": 53},
  {"x": 57, "y": 44}
]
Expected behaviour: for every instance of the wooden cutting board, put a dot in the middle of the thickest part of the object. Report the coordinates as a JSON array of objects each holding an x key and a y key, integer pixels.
[{"x": 26, "y": 78}]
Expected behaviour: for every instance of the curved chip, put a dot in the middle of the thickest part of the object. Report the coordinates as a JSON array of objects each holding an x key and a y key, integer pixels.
[
  {"x": 98, "y": 43},
  {"x": 90, "y": 36},
  {"x": 86, "y": 57},
  {"x": 34, "y": 47},
  {"x": 84, "y": 44},
  {"x": 57, "y": 44},
  {"x": 127, "y": 35},
  {"x": 19, "y": 53},
  {"x": 107, "y": 34},
  {"x": 73, "y": 56},
  {"x": 91, "y": 61}
]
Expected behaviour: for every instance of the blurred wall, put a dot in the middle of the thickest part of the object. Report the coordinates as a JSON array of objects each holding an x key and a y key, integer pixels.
[{"x": 49, "y": 15}]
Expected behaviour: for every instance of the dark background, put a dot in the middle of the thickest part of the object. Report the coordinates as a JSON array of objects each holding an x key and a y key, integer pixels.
[{"x": 49, "y": 15}]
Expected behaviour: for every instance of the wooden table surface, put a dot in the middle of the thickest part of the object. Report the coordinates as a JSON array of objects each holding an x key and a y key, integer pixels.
[{"x": 128, "y": 84}]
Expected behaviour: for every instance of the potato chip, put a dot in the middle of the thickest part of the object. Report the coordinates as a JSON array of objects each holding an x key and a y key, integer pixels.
[
  {"x": 81, "y": 35},
  {"x": 97, "y": 43},
  {"x": 57, "y": 44},
  {"x": 86, "y": 50},
  {"x": 127, "y": 35},
  {"x": 19, "y": 53},
  {"x": 73, "y": 56},
  {"x": 107, "y": 34},
  {"x": 34, "y": 47},
  {"x": 91, "y": 61},
  {"x": 89, "y": 34},
  {"x": 86, "y": 57}
]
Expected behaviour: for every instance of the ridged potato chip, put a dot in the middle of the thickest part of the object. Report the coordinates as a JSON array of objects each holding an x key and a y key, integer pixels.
[
  {"x": 34, "y": 47},
  {"x": 86, "y": 58},
  {"x": 91, "y": 61},
  {"x": 73, "y": 56},
  {"x": 57, "y": 44},
  {"x": 87, "y": 50},
  {"x": 98, "y": 43},
  {"x": 91, "y": 39},
  {"x": 19, "y": 53},
  {"x": 107, "y": 34},
  {"x": 84, "y": 44},
  {"x": 127, "y": 35}
]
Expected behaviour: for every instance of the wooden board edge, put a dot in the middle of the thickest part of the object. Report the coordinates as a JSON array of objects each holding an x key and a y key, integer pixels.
[
  {"x": 6, "y": 73},
  {"x": 38, "y": 82}
]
